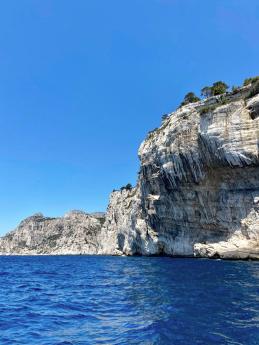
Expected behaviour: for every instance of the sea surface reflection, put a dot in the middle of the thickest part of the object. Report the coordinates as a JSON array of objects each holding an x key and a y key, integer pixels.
[{"x": 84, "y": 300}]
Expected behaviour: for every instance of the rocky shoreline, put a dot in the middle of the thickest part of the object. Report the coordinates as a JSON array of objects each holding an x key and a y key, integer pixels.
[{"x": 197, "y": 193}]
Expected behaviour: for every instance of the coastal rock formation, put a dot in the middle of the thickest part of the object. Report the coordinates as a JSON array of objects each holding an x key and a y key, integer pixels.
[
  {"x": 198, "y": 187},
  {"x": 75, "y": 233},
  {"x": 197, "y": 192},
  {"x": 125, "y": 231}
]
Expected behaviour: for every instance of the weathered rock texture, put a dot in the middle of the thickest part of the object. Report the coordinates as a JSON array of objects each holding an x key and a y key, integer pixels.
[
  {"x": 197, "y": 192},
  {"x": 198, "y": 187},
  {"x": 75, "y": 233}
]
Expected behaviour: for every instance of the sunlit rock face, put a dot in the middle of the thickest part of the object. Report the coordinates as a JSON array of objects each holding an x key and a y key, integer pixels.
[
  {"x": 197, "y": 193},
  {"x": 125, "y": 230},
  {"x": 198, "y": 187},
  {"x": 75, "y": 233}
]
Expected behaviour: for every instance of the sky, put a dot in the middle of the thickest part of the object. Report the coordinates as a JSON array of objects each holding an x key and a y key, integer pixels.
[{"x": 82, "y": 82}]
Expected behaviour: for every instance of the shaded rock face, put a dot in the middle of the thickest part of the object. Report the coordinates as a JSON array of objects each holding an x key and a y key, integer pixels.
[
  {"x": 197, "y": 193},
  {"x": 125, "y": 230},
  {"x": 75, "y": 233},
  {"x": 198, "y": 187}
]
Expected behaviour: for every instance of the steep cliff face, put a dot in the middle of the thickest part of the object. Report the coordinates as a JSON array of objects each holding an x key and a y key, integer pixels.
[
  {"x": 125, "y": 230},
  {"x": 198, "y": 188},
  {"x": 75, "y": 233},
  {"x": 197, "y": 193}
]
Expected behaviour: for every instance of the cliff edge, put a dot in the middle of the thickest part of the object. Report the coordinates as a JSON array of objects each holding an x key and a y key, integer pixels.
[
  {"x": 198, "y": 187},
  {"x": 197, "y": 192},
  {"x": 74, "y": 233}
]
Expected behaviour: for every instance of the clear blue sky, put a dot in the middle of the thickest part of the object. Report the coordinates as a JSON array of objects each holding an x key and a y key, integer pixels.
[{"x": 81, "y": 83}]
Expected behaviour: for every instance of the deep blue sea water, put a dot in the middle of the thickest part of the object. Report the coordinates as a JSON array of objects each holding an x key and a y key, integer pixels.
[{"x": 128, "y": 300}]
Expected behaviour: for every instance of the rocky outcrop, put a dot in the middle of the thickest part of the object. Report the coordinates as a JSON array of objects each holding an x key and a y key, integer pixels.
[
  {"x": 75, "y": 233},
  {"x": 197, "y": 192},
  {"x": 198, "y": 186},
  {"x": 125, "y": 231}
]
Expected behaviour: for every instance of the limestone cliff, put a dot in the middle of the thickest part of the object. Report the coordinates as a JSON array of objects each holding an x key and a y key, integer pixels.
[
  {"x": 75, "y": 233},
  {"x": 197, "y": 192},
  {"x": 198, "y": 187}
]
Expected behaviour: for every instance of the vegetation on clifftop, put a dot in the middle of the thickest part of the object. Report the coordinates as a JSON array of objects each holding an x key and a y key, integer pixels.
[
  {"x": 220, "y": 88},
  {"x": 251, "y": 80},
  {"x": 127, "y": 187},
  {"x": 190, "y": 97}
]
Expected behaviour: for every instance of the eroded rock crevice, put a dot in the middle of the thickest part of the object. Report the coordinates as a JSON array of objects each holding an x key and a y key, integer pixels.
[
  {"x": 197, "y": 193},
  {"x": 198, "y": 187}
]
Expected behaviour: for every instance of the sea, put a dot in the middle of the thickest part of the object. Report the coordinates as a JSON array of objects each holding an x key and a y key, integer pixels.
[{"x": 81, "y": 300}]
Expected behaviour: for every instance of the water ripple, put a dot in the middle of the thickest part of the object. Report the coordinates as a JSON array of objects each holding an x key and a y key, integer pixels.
[{"x": 83, "y": 300}]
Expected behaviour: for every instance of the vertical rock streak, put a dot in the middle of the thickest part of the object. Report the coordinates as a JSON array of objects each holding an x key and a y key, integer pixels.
[
  {"x": 197, "y": 193},
  {"x": 198, "y": 187}
]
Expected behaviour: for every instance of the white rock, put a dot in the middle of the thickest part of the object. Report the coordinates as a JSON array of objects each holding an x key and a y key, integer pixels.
[{"x": 197, "y": 193}]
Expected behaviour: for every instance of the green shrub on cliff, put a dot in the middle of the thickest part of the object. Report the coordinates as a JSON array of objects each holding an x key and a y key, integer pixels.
[
  {"x": 208, "y": 109},
  {"x": 127, "y": 187},
  {"x": 190, "y": 97},
  {"x": 164, "y": 117},
  {"x": 251, "y": 80},
  {"x": 206, "y": 91},
  {"x": 254, "y": 89},
  {"x": 218, "y": 88},
  {"x": 222, "y": 100}
]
